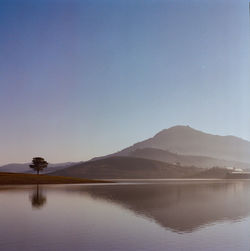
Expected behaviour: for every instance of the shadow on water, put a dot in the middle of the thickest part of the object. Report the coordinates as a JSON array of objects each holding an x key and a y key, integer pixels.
[
  {"x": 181, "y": 207},
  {"x": 38, "y": 198}
]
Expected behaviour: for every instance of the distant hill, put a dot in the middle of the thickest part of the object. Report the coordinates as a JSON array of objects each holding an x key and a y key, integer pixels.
[
  {"x": 211, "y": 173},
  {"x": 24, "y": 168},
  {"x": 186, "y": 160},
  {"x": 184, "y": 140},
  {"x": 127, "y": 168}
]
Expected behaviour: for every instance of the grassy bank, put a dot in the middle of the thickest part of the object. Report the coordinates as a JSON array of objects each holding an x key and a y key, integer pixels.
[{"x": 25, "y": 179}]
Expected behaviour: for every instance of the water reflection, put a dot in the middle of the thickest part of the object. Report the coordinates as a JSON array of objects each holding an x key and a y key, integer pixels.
[
  {"x": 181, "y": 207},
  {"x": 38, "y": 198},
  {"x": 126, "y": 217}
]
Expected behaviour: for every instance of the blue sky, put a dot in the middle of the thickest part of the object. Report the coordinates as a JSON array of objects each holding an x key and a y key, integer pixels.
[{"x": 86, "y": 78}]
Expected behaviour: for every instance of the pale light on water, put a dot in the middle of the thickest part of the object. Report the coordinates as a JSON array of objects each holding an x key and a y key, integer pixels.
[{"x": 180, "y": 215}]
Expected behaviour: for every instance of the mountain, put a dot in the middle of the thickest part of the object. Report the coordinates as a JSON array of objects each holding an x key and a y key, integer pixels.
[
  {"x": 184, "y": 140},
  {"x": 186, "y": 160},
  {"x": 177, "y": 152},
  {"x": 127, "y": 168},
  {"x": 24, "y": 168}
]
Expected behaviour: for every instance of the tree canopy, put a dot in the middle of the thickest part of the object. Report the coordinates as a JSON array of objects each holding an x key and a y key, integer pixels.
[{"x": 38, "y": 164}]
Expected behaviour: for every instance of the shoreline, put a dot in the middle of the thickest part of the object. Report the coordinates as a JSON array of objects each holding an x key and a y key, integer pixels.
[
  {"x": 33, "y": 179},
  {"x": 7, "y": 178}
]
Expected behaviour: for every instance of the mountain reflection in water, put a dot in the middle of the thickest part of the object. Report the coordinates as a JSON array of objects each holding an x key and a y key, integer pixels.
[
  {"x": 179, "y": 206},
  {"x": 149, "y": 216}
]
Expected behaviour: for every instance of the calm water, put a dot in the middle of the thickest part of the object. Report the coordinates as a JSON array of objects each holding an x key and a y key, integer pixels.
[{"x": 168, "y": 215}]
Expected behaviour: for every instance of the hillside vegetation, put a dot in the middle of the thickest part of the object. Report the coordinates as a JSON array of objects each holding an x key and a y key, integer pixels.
[{"x": 127, "y": 168}]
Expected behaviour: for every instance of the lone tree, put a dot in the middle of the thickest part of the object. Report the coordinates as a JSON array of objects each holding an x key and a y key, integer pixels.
[{"x": 38, "y": 164}]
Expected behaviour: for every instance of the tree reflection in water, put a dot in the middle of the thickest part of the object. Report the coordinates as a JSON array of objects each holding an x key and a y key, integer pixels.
[{"x": 38, "y": 199}]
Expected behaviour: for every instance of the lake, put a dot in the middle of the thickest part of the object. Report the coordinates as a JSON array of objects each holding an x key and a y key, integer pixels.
[{"x": 141, "y": 215}]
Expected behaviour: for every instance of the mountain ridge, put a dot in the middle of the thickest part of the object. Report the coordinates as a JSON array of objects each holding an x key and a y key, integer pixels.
[
  {"x": 188, "y": 141},
  {"x": 160, "y": 157}
]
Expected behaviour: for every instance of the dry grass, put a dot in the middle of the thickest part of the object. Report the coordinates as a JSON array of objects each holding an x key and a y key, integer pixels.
[{"x": 25, "y": 179}]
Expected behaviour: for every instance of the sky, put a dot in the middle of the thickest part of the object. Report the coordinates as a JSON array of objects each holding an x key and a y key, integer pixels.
[{"x": 84, "y": 78}]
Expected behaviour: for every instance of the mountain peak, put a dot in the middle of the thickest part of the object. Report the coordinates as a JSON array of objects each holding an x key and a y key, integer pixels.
[
  {"x": 177, "y": 129},
  {"x": 188, "y": 141}
]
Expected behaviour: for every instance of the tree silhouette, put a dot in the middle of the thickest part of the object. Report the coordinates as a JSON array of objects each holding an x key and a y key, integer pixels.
[{"x": 38, "y": 164}]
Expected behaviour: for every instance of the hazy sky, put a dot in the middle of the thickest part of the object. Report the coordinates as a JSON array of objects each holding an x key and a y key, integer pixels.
[{"x": 80, "y": 79}]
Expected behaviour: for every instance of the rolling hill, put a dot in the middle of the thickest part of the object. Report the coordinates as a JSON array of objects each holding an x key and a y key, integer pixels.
[
  {"x": 127, "y": 168},
  {"x": 186, "y": 160}
]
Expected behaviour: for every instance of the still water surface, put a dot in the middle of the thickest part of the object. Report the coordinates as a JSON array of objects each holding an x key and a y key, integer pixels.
[{"x": 165, "y": 215}]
